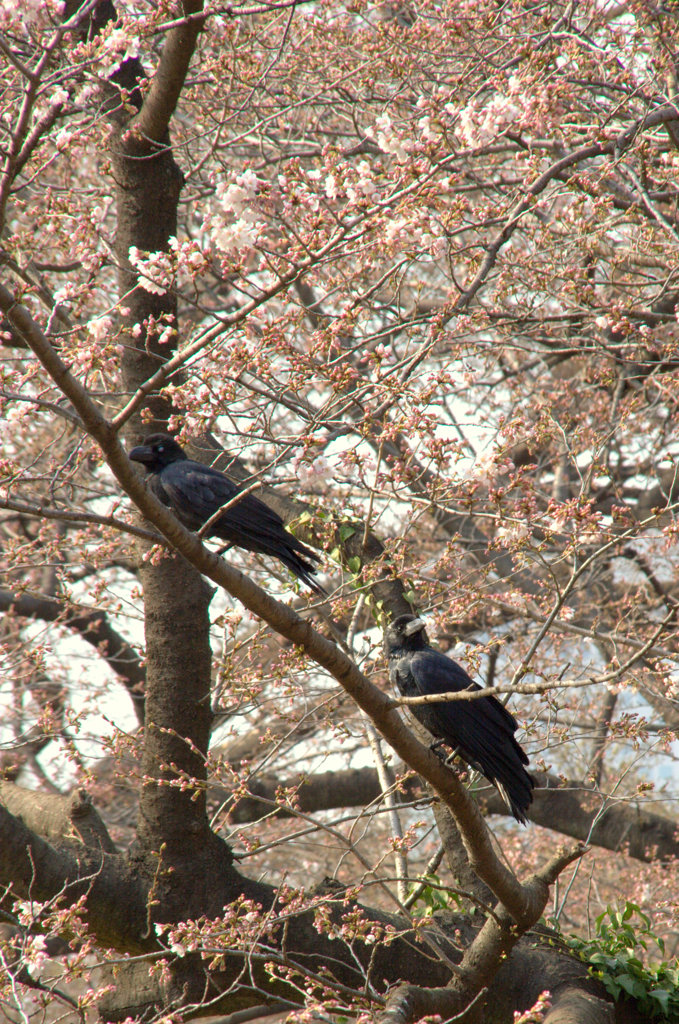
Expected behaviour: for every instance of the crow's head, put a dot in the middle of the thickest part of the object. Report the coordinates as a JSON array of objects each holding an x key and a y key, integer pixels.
[
  {"x": 406, "y": 633},
  {"x": 157, "y": 451}
]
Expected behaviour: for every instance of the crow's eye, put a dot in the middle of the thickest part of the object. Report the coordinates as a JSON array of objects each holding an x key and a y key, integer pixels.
[{"x": 160, "y": 448}]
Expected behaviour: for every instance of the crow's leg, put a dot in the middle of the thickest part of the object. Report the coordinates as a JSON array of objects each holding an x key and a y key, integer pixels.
[
  {"x": 437, "y": 748},
  {"x": 448, "y": 759}
]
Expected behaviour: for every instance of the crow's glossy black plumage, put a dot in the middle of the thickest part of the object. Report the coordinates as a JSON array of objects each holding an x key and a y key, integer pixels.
[
  {"x": 481, "y": 731},
  {"x": 195, "y": 492}
]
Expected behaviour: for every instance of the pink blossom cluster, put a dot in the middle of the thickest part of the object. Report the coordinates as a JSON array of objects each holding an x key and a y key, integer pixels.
[
  {"x": 242, "y": 924},
  {"x": 159, "y": 271},
  {"x": 235, "y": 224},
  {"x": 480, "y": 122},
  {"x": 30, "y": 15},
  {"x": 312, "y": 472},
  {"x": 537, "y": 1012},
  {"x": 391, "y": 139},
  {"x": 117, "y": 43}
]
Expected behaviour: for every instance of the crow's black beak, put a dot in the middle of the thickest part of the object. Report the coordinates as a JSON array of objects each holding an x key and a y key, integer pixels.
[
  {"x": 141, "y": 454},
  {"x": 411, "y": 627}
]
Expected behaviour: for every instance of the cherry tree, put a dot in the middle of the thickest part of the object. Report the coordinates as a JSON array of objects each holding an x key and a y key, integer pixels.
[{"x": 404, "y": 271}]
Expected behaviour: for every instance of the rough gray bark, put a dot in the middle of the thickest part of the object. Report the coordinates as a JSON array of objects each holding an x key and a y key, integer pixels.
[
  {"x": 37, "y": 869},
  {"x": 456, "y": 857},
  {"x": 61, "y": 820},
  {"x": 573, "y": 1006}
]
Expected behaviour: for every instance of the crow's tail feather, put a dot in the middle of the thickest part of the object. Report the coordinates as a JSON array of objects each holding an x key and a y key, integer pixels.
[
  {"x": 518, "y": 796},
  {"x": 503, "y": 766},
  {"x": 303, "y": 568}
]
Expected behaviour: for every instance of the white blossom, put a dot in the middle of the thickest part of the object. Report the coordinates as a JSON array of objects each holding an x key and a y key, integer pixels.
[
  {"x": 366, "y": 182},
  {"x": 62, "y": 138},
  {"x": 478, "y": 125},
  {"x": 35, "y": 951},
  {"x": 388, "y": 138},
  {"x": 118, "y": 46},
  {"x": 154, "y": 270},
  {"x": 99, "y": 328},
  {"x": 234, "y": 198},
  {"x": 242, "y": 233},
  {"x": 313, "y": 472}
]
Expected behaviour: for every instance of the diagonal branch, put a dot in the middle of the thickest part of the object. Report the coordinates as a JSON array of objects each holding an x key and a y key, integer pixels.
[
  {"x": 584, "y": 813},
  {"x": 520, "y": 901},
  {"x": 66, "y": 515},
  {"x": 160, "y": 102},
  {"x": 479, "y": 964}
]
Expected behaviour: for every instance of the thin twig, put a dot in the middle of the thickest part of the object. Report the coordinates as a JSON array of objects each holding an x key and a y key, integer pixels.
[{"x": 203, "y": 532}]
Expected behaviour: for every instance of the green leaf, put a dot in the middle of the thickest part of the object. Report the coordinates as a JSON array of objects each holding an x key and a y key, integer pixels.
[
  {"x": 662, "y": 996},
  {"x": 346, "y": 531},
  {"x": 632, "y": 986},
  {"x": 611, "y": 986},
  {"x": 354, "y": 565},
  {"x": 614, "y": 958},
  {"x": 633, "y": 962}
]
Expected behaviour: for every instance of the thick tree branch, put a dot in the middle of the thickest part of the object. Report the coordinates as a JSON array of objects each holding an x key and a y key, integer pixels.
[
  {"x": 614, "y": 824},
  {"x": 481, "y": 959},
  {"x": 571, "y": 1005},
  {"x": 116, "y": 901},
  {"x": 572, "y": 808},
  {"x": 521, "y": 901},
  {"x": 69, "y": 821},
  {"x": 153, "y": 119},
  {"x": 315, "y": 792}
]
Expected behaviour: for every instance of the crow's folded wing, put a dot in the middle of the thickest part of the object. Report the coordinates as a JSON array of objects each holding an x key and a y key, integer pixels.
[
  {"x": 483, "y": 729},
  {"x": 197, "y": 492}
]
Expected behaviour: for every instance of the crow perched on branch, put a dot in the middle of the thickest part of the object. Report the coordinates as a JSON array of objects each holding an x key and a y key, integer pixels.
[
  {"x": 195, "y": 493},
  {"x": 481, "y": 731}
]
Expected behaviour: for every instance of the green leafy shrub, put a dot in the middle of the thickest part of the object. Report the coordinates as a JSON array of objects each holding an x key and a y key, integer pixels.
[{"x": 614, "y": 960}]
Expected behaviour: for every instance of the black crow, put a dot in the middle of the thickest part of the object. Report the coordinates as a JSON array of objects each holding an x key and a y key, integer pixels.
[
  {"x": 481, "y": 731},
  {"x": 195, "y": 492}
]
